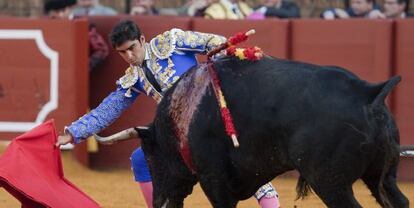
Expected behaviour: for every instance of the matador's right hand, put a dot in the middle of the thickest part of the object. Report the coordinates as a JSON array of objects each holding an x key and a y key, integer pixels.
[{"x": 64, "y": 139}]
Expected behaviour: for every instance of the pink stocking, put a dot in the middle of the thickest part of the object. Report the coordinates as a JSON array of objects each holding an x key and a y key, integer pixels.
[
  {"x": 272, "y": 202},
  {"x": 146, "y": 189}
]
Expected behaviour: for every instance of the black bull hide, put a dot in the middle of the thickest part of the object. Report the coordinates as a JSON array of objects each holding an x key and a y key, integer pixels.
[{"x": 324, "y": 122}]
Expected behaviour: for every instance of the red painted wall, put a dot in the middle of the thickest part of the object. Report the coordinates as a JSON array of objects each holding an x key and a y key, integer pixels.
[{"x": 362, "y": 46}]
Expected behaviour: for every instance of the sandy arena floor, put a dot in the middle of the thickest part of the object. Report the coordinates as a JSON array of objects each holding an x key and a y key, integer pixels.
[{"x": 116, "y": 189}]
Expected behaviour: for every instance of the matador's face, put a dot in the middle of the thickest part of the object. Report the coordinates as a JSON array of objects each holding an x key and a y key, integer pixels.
[
  {"x": 132, "y": 51},
  {"x": 361, "y": 6},
  {"x": 392, "y": 8}
]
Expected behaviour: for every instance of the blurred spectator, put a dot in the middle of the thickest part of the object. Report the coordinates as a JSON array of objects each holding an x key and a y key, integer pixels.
[
  {"x": 91, "y": 8},
  {"x": 59, "y": 9},
  {"x": 278, "y": 8},
  {"x": 62, "y": 9},
  {"x": 359, "y": 8},
  {"x": 143, "y": 7},
  {"x": 228, "y": 9},
  {"x": 396, "y": 9},
  {"x": 192, "y": 8},
  {"x": 197, "y": 8},
  {"x": 98, "y": 49}
]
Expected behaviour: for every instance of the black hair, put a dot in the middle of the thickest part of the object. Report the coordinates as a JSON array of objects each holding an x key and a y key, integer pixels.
[
  {"x": 57, "y": 5},
  {"x": 407, "y": 4},
  {"x": 124, "y": 31}
]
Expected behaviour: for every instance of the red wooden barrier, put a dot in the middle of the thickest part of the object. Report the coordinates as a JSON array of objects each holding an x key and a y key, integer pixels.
[
  {"x": 404, "y": 66},
  {"x": 404, "y": 100},
  {"x": 36, "y": 59}
]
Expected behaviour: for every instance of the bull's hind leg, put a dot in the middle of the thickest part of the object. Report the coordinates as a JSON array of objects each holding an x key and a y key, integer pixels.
[
  {"x": 337, "y": 197},
  {"x": 396, "y": 197},
  {"x": 391, "y": 193},
  {"x": 394, "y": 194},
  {"x": 333, "y": 191},
  {"x": 372, "y": 182}
]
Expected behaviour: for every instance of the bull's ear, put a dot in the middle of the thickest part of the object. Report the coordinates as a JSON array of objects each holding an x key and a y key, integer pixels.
[{"x": 143, "y": 132}]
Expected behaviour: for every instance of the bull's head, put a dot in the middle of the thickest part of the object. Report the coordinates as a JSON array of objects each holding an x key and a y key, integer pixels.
[
  {"x": 147, "y": 138},
  {"x": 172, "y": 180},
  {"x": 142, "y": 132}
]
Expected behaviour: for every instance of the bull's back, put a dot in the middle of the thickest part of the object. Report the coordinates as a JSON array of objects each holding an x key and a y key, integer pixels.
[
  {"x": 288, "y": 90},
  {"x": 286, "y": 106}
]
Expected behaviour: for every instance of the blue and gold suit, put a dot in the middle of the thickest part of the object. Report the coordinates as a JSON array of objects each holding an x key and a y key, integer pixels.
[{"x": 167, "y": 56}]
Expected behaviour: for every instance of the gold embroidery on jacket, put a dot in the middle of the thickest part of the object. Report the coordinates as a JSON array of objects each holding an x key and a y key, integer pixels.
[
  {"x": 164, "y": 44},
  {"x": 130, "y": 78}
]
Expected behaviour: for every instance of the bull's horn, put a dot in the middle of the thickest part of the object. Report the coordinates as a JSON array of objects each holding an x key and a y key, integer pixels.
[
  {"x": 120, "y": 136},
  {"x": 142, "y": 127}
]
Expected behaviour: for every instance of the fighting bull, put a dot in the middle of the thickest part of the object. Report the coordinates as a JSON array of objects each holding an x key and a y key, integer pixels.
[{"x": 324, "y": 122}]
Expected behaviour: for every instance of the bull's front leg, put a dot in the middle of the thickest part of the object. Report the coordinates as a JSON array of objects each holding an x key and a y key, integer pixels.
[
  {"x": 171, "y": 185},
  {"x": 212, "y": 167},
  {"x": 217, "y": 192},
  {"x": 171, "y": 191},
  {"x": 171, "y": 195}
]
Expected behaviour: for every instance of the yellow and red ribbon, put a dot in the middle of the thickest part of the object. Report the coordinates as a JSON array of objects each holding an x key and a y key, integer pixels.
[
  {"x": 224, "y": 110},
  {"x": 234, "y": 40},
  {"x": 249, "y": 53}
]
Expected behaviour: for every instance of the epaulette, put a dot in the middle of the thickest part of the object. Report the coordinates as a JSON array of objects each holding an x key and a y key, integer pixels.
[{"x": 163, "y": 45}]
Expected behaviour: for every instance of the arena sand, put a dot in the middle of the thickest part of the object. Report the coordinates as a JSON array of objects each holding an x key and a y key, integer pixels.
[{"x": 116, "y": 189}]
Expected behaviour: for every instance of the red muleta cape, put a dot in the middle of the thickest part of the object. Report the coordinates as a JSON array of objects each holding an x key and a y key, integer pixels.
[{"x": 31, "y": 170}]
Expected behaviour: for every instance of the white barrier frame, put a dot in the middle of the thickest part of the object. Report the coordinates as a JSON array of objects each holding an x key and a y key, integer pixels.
[{"x": 53, "y": 56}]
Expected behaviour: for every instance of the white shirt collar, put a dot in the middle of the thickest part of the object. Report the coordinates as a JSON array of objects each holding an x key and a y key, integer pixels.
[{"x": 147, "y": 55}]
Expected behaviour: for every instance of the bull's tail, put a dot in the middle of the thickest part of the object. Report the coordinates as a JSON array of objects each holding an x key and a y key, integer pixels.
[
  {"x": 386, "y": 88},
  {"x": 302, "y": 188},
  {"x": 384, "y": 132}
]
